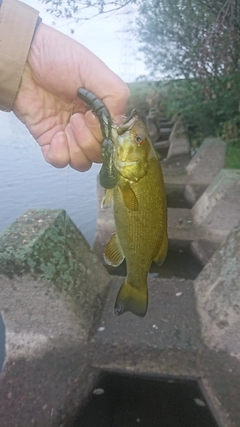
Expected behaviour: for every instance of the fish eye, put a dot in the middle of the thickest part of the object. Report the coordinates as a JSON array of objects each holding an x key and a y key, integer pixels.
[{"x": 139, "y": 139}]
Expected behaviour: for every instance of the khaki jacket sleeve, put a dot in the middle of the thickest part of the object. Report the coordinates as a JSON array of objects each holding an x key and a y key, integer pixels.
[{"x": 17, "y": 25}]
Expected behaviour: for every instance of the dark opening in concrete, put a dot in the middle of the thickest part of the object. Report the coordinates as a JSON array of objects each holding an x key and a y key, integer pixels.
[
  {"x": 178, "y": 263},
  {"x": 176, "y": 199},
  {"x": 121, "y": 400}
]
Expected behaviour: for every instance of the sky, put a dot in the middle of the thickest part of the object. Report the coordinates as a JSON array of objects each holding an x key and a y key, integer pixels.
[{"x": 105, "y": 36}]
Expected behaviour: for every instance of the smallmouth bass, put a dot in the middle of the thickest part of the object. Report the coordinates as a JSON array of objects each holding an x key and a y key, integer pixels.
[{"x": 140, "y": 213}]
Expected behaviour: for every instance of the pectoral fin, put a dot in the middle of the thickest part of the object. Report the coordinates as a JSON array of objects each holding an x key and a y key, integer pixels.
[
  {"x": 129, "y": 197},
  {"x": 162, "y": 253},
  {"x": 113, "y": 254}
]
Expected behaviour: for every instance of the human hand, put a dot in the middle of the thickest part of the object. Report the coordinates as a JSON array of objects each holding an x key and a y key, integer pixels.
[{"x": 47, "y": 104}]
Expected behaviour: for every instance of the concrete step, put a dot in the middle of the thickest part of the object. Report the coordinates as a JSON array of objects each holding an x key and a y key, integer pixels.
[{"x": 164, "y": 134}]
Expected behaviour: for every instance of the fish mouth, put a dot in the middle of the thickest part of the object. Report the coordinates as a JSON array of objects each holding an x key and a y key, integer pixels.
[{"x": 128, "y": 123}]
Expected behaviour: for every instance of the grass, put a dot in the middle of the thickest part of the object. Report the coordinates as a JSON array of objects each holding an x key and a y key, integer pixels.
[{"x": 233, "y": 157}]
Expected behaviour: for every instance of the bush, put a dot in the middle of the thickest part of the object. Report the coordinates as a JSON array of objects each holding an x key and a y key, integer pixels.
[{"x": 210, "y": 106}]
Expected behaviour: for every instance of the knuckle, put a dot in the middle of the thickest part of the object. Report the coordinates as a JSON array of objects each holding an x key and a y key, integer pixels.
[{"x": 124, "y": 93}]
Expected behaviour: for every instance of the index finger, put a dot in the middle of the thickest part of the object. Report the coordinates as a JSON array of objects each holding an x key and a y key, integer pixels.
[{"x": 106, "y": 85}]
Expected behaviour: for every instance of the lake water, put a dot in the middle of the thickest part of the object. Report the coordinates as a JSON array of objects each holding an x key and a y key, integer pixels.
[{"x": 27, "y": 181}]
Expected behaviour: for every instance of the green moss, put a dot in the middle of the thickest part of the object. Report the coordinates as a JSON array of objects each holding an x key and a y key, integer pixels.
[{"x": 47, "y": 244}]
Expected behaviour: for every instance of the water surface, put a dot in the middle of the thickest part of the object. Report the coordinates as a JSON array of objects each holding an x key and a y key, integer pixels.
[{"x": 27, "y": 181}]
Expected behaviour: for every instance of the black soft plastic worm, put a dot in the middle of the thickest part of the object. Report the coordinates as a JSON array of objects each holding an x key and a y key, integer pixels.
[
  {"x": 108, "y": 175},
  {"x": 99, "y": 108}
]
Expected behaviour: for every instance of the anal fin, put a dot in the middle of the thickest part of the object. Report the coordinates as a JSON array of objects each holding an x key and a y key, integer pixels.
[{"x": 113, "y": 254}]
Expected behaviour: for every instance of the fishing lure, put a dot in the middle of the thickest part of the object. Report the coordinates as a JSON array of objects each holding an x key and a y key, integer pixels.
[{"x": 108, "y": 175}]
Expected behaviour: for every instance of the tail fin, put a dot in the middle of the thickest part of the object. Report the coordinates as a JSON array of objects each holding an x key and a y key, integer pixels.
[{"x": 132, "y": 298}]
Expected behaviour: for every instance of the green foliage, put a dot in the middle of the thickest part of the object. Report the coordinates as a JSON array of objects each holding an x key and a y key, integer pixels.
[
  {"x": 233, "y": 157},
  {"x": 210, "y": 107},
  {"x": 230, "y": 131},
  {"x": 190, "y": 38},
  {"x": 199, "y": 41},
  {"x": 142, "y": 97}
]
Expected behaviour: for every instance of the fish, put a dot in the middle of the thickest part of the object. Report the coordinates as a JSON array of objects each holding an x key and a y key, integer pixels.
[{"x": 140, "y": 213}]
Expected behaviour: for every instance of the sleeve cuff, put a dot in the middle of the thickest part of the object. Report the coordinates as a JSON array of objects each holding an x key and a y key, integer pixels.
[
  {"x": 18, "y": 23},
  {"x": 39, "y": 20}
]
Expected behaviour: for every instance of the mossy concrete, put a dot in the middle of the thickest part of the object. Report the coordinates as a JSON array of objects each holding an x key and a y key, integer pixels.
[{"x": 46, "y": 244}]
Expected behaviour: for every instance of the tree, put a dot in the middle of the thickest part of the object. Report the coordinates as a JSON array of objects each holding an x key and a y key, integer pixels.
[
  {"x": 187, "y": 38},
  {"x": 73, "y": 9},
  {"x": 190, "y": 38}
]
